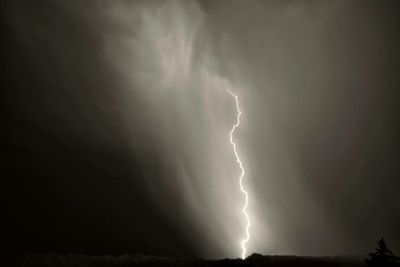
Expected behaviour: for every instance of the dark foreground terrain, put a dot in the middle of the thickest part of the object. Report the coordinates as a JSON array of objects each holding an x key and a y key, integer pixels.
[{"x": 70, "y": 260}]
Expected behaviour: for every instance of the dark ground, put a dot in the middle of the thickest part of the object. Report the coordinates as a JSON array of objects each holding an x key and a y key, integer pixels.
[{"x": 75, "y": 260}]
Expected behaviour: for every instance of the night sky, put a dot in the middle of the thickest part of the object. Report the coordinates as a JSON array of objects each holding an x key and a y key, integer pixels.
[{"x": 115, "y": 123}]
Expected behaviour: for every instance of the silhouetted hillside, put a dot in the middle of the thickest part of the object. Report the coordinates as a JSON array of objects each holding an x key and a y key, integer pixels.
[{"x": 57, "y": 260}]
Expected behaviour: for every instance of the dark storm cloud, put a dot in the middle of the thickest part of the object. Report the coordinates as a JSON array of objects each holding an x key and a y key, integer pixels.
[
  {"x": 114, "y": 125},
  {"x": 72, "y": 182}
]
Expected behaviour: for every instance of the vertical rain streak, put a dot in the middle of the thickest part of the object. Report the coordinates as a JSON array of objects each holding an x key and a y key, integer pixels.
[{"x": 185, "y": 94}]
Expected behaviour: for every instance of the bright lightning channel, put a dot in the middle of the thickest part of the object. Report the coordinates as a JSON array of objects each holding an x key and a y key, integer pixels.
[{"x": 246, "y": 195}]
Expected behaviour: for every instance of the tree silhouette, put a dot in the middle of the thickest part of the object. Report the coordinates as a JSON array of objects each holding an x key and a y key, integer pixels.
[{"x": 383, "y": 256}]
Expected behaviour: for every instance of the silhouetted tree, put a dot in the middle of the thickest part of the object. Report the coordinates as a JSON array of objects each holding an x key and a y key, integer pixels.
[{"x": 383, "y": 256}]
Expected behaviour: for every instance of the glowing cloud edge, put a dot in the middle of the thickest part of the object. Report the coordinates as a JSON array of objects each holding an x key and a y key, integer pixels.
[{"x": 242, "y": 189}]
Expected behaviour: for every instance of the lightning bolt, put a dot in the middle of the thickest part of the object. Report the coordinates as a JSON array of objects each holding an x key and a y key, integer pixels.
[{"x": 242, "y": 189}]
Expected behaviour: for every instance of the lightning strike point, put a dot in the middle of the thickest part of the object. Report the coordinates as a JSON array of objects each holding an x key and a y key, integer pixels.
[{"x": 242, "y": 189}]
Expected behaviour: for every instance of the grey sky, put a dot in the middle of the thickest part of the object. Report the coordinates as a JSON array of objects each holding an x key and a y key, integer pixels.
[{"x": 122, "y": 108}]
